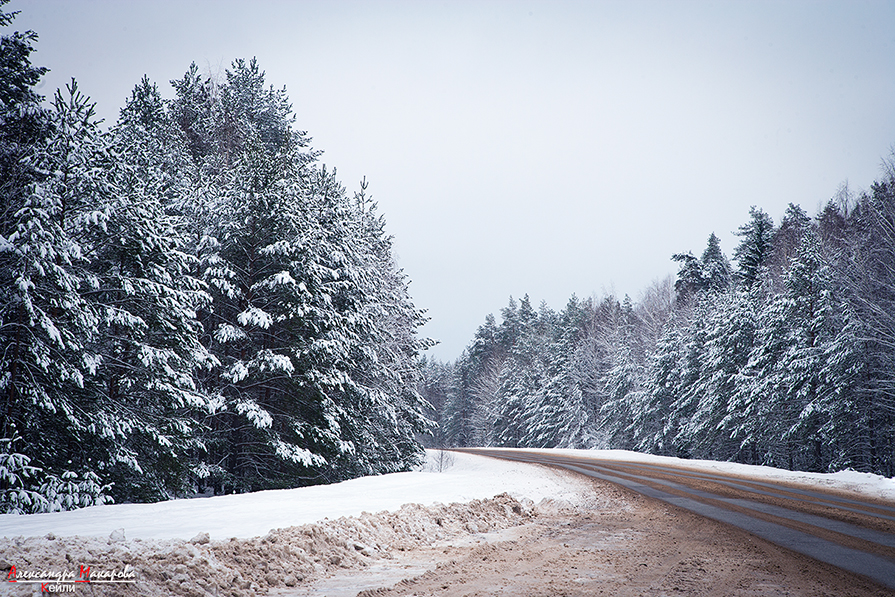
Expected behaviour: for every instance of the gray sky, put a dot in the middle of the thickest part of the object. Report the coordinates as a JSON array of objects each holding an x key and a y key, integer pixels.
[{"x": 547, "y": 148}]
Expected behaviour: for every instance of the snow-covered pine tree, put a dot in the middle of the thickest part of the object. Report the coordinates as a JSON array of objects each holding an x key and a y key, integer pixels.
[
  {"x": 56, "y": 176},
  {"x": 684, "y": 383},
  {"x": 561, "y": 418},
  {"x": 486, "y": 357},
  {"x": 271, "y": 310},
  {"x": 485, "y": 394},
  {"x": 622, "y": 381},
  {"x": 755, "y": 246},
  {"x": 521, "y": 377},
  {"x": 310, "y": 318},
  {"x": 756, "y": 413},
  {"x": 437, "y": 383},
  {"x": 156, "y": 149},
  {"x": 653, "y": 428},
  {"x": 728, "y": 338},
  {"x": 49, "y": 320},
  {"x": 851, "y": 420},
  {"x": 471, "y": 410},
  {"x": 711, "y": 273},
  {"x": 812, "y": 319},
  {"x": 692, "y": 367},
  {"x": 592, "y": 356},
  {"x": 716, "y": 271},
  {"x": 148, "y": 347},
  {"x": 785, "y": 246},
  {"x": 18, "y": 479},
  {"x": 690, "y": 281},
  {"x": 23, "y": 122},
  {"x": 115, "y": 393},
  {"x": 455, "y": 418},
  {"x": 785, "y": 393},
  {"x": 190, "y": 294},
  {"x": 386, "y": 366},
  {"x": 28, "y": 235}
]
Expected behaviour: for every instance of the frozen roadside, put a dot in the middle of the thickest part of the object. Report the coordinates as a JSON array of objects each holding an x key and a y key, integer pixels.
[
  {"x": 514, "y": 529},
  {"x": 281, "y": 558},
  {"x": 463, "y": 478},
  {"x": 225, "y": 557},
  {"x": 865, "y": 484}
]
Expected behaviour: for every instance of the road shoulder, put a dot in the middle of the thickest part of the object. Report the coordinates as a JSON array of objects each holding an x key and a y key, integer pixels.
[{"x": 626, "y": 546}]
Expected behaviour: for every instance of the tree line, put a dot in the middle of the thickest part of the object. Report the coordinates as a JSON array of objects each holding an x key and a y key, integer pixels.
[
  {"x": 189, "y": 300},
  {"x": 785, "y": 357}
]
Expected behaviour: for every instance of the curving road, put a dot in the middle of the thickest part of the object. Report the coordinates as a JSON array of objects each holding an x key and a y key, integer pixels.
[{"x": 845, "y": 530}]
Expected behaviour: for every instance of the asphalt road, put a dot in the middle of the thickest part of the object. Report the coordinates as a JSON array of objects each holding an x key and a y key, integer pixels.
[{"x": 849, "y": 531}]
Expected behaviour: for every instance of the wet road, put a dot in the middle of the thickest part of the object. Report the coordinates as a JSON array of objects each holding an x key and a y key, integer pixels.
[{"x": 845, "y": 530}]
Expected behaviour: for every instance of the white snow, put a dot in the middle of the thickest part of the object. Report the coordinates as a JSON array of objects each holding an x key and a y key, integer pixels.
[
  {"x": 467, "y": 477},
  {"x": 866, "y": 484}
]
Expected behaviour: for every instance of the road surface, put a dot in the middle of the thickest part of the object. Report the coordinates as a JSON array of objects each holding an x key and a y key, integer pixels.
[{"x": 851, "y": 532}]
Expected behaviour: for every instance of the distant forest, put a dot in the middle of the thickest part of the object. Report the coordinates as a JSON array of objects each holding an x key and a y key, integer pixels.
[
  {"x": 785, "y": 357},
  {"x": 189, "y": 301}
]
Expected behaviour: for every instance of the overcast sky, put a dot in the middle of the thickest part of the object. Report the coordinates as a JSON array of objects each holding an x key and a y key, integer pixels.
[{"x": 546, "y": 148}]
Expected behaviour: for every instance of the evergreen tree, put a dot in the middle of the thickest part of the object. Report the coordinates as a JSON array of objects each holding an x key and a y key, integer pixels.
[
  {"x": 28, "y": 238},
  {"x": 622, "y": 380},
  {"x": 387, "y": 368},
  {"x": 189, "y": 299},
  {"x": 45, "y": 321},
  {"x": 755, "y": 246},
  {"x": 561, "y": 418},
  {"x": 728, "y": 339},
  {"x": 691, "y": 368},
  {"x": 711, "y": 273},
  {"x": 310, "y": 318},
  {"x": 23, "y": 122},
  {"x": 436, "y": 386},
  {"x": 811, "y": 317},
  {"x": 521, "y": 377},
  {"x": 51, "y": 322},
  {"x": 653, "y": 428},
  {"x": 716, "y": 272},
  {"x": 786, "y": 242},
  {"x": 689, "y": 277}
]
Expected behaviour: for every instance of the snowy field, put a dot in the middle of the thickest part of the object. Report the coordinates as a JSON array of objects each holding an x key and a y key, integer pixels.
[{"x": 465, "y": 478}]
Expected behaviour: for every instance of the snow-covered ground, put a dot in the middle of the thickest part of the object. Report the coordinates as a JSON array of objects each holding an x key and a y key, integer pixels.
[
  {"x": 227, "y": 545},
  {"x": 465, "y": 478},
  {"x": 867, "y": 484}
]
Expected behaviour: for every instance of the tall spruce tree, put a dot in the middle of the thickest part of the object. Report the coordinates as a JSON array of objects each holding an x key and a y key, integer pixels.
[{"x": 755, "y": 246}]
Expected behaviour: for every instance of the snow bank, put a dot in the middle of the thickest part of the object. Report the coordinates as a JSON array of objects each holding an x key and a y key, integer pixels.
[
  {"x": 463, "y": 478},
  {"x": 225, "y": 545},
  {"x": 247, "y": 567},
  {"x": 867, "y": 484}
]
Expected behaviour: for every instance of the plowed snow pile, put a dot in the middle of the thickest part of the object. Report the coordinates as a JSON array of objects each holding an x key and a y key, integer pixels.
[
  {"x": 282, "y": 558},
  {"x": 234, "y": 552}
]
